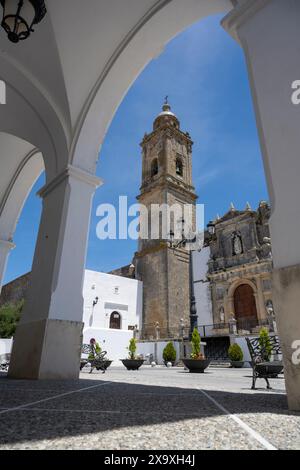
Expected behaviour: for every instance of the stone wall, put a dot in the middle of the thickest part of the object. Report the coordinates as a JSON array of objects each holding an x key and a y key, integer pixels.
[{"x": 15, "y": 290}]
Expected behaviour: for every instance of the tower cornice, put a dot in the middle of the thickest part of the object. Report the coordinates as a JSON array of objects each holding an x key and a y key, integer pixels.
[
  {"x": 168, "y": 182},
  {"x": 165, "y": 129}
]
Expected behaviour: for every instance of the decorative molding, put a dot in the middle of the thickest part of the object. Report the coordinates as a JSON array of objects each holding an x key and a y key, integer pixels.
[
  {"x": 240, "y": 14},
  {"x": 114, "y": 306},
  {"x": 71, "y": 172}
]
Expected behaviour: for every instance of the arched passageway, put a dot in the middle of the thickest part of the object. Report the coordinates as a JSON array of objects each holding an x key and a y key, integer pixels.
[
  {"x": 24, "y": 166},
  {"x": 65, "y": 112}
]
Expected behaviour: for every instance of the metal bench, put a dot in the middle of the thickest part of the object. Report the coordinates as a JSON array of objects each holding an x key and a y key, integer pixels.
[
  {"x": 266, "y": 360},
  {"x": 98, "y": 361},
  {"x": 4, "y": 362}
]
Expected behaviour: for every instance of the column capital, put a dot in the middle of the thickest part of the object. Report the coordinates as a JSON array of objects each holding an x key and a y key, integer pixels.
[
  {"x": 71, "y": 172},
  {"x": 7, "y": 245},
  {"x": 241, "y": 13}
]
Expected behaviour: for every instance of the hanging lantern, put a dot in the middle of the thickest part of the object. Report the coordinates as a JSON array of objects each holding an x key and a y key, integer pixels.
[{"x": 19, "y": 16}]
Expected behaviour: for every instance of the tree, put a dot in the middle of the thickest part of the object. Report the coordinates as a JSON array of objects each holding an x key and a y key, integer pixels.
[
  {"x": 169, "y": 352},
  {"x": 132, "y": 348},
  {"x": 10, "y": 315},
  {"x": 235, "y": 352}
]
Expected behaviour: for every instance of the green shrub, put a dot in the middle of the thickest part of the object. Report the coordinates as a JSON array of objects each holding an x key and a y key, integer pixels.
[
  {"x": 196, "y": 341},
  {"x": 235, "y": 352},
  {"x": 169, "y": 352},
  {"x": 10, "y": 315},
  {"x": 265, "y": 344},
  {"x": 132, "y": 348}
]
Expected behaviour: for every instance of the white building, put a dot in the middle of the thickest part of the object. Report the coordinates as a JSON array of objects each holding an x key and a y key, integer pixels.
[{"x": 112, "y": 308}]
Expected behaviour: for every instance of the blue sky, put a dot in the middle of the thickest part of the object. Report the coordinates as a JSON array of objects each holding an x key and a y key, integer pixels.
[{"x": 204, "y": 73}]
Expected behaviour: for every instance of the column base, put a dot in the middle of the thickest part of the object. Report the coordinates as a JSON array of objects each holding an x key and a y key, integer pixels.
[
  {"x": 46, "y": 349},
  {"x": 286, "y": 293}
]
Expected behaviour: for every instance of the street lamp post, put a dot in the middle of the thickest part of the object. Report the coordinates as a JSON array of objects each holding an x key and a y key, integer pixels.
[{"x": 193, "y": 309}]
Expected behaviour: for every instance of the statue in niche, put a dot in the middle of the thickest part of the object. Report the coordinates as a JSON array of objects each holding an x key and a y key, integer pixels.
[{"x": 237, "y": 244}]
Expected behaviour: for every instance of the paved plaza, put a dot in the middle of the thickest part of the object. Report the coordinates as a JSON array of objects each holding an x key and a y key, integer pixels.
[{"x": 153, "y": 408}]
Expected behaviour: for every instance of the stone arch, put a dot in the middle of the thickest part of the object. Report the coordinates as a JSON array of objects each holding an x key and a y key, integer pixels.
[
  {"x": 238, "y": 282},
  {"x": 230, "y": 308},
  {"x": 31, "y": 115},
  {"x": 18, "y": 176},
  {"x": 115, "y": 321},
  {"x": 161, "y": 23},
  {"x": 12, "y": 203},
  {"x": 245, "y": 309}
]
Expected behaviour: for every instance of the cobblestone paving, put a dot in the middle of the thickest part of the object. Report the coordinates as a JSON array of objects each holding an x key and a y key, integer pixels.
[{"x": 154, "y": 409}]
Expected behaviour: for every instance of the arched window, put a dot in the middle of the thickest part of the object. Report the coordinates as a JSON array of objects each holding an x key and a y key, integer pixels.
[
  {"x": 115, "y": 321},
  {"x": 179, "y": 167},
  {"x": 154, "y": 167}
]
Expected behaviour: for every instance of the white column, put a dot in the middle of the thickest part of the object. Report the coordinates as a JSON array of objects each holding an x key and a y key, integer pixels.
[
  {"x": 48, "y": 338},
  {"x": 268, "y": 31},
  {"x": 5, "y": 249}
]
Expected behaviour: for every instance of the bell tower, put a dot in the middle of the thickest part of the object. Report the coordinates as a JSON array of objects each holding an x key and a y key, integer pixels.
[{"x": 167, "y": 184}]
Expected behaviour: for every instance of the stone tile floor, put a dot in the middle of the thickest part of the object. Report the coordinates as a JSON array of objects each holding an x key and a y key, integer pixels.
[{"x": 154, "y": 408}]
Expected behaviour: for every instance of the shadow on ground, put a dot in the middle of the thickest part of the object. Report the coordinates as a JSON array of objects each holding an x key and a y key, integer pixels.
[{"x": 104, "y": 406}]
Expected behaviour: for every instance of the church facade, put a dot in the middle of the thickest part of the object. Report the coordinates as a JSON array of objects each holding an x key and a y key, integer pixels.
[{"x": 240, "y": 268}]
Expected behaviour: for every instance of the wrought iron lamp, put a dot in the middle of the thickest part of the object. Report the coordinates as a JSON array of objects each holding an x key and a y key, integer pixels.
[
  {"x": 19, "y": 16},
  {"x": 193, "y": 309},
  {"x": 211, "y": 228}
]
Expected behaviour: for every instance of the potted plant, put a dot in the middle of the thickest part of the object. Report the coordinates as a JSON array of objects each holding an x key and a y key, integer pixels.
[
  {"x": 197, "y": 362},
  {"x": 236, "y": 355},
  {"x": 169, "y": 354},
  {"x": 132, "y": 363},
  {"x": 274, "y": 367}
]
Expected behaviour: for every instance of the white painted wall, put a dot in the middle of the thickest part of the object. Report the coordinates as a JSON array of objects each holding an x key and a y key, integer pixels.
[
  {"x": 115, "y": 293},
  {"x": 241, "y": 341},
  {"x": 156, "y": 348},
  {"x": 201, "y": 287},
  {"x": 114, "y": 342},
  {"x": 148, "y": 347},
  {"x": 5, "y": 346}
]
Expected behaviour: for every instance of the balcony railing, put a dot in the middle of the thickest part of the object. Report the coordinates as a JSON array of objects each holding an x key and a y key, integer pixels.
[{"x": 242, "y": 327}]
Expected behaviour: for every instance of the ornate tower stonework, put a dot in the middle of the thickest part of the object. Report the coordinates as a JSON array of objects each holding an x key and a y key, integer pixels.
[{"x": 166, "y": 180}]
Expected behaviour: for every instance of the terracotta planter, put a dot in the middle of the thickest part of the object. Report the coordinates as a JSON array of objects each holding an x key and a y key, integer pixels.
[
  {"x": 196, "y": 366},
  {"x": 132, "y": 364}
]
